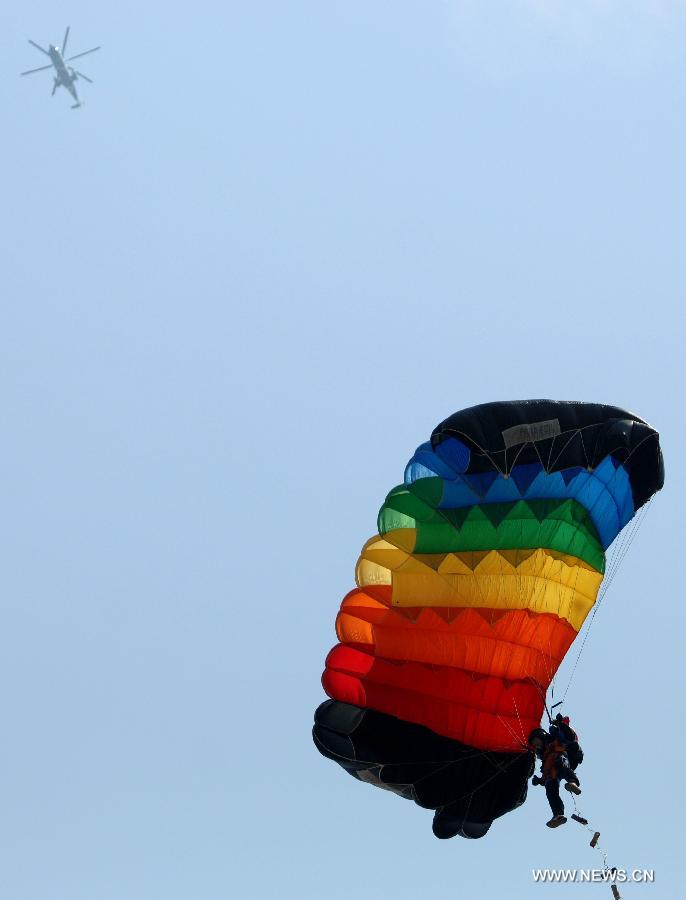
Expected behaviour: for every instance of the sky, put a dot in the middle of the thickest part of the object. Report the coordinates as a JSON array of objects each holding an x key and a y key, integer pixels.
[{"x": 276, "y": 246}]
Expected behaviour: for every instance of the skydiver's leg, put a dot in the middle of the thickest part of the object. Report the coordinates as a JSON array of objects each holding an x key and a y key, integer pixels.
[
  {"x": 570, "y": 777},
  {"x": 552, "y": 792},
  {"x": 567, "y": 774}
]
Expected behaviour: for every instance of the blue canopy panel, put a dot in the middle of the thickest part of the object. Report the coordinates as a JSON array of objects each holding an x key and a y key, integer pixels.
[{"x": 605, "y": 492}]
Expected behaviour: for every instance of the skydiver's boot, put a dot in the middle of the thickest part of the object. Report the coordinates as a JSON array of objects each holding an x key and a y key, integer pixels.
[
  {"x": 573, "y": 788},
  {"x": 556, "y": 820}
]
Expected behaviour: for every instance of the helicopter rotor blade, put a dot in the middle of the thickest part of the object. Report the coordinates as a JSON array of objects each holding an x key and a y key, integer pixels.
[
  {"x": 38, "y": 47},
  {"x": 85, "y": 53},
  {"x": 41, "y": 69},
  {"x": 85, "y": 77},
  {"x": 64, "y": 42}
]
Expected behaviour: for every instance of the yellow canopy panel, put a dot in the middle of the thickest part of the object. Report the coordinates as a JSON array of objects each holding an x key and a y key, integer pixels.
[{"x": 541, "y": 581}]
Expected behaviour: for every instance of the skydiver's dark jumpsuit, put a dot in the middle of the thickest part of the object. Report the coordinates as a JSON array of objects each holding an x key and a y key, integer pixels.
[
  {"x": 554, "y": 769},
  {"x": 562, "y": 731}
]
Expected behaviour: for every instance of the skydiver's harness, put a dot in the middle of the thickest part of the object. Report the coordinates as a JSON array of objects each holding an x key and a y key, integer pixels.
[
  {"x": 562, "y": 746},
  {"x": 562, "y": 731},
  {"x": 554, "y": 761}
]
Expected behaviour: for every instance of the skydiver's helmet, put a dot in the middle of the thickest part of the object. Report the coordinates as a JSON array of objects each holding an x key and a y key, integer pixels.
[{"x": 541, "y": 735}]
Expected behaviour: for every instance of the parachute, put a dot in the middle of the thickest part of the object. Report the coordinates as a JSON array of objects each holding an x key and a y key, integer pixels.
[{"x": 487, "y": 561}]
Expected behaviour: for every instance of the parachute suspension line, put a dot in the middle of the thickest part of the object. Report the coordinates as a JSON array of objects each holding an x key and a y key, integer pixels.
[
  {"x": 562, "y": 590},
  {"x": 484, "y": 451},
  {"x": 538, "y": 687},
  {"x": 522, "y": 447},
  {"x": 542, "y": 695},
  {"x": 445, "y": 765},
  {"x": 599, "y": 498},
  {"x": 500, "y": 767},
  {"x": 573, "y": 434},
  {"x": 519, "y": 720},
  {"x": 551, "y": 675},
  {"x": 534, "y": 444},
  {"x": 555, "y": 668},
  {"x": 550, "y": 453},
  {"x": 626, "y": 539},
  {"x": 624, "y": 536},
  {"x": 581, "y": 650},
  {"x": 618, "y": 554},
  {"x": 469, "y": 806},
  {"x": 581, "y": 435},
  {"x": 622, "y": 550},
  {"x": 438, "y": 768},
  {"x": 552, "y": 670},
  {"x": 628, "y": 534},
  {"x": 513, "y": 733}
]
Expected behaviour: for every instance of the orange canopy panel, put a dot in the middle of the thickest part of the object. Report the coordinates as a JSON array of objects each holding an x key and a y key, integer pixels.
[{"x": 511, "y": 644}]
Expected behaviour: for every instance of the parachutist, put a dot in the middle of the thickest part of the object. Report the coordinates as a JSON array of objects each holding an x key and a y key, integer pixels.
[{"x": 551, "y": 749}]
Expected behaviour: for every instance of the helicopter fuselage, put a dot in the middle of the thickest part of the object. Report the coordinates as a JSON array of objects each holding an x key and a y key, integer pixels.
[{"x": 65, "y": 74}]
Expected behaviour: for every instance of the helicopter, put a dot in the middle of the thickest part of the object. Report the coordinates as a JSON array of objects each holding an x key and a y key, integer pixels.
[{"x": 66, "y": 76}]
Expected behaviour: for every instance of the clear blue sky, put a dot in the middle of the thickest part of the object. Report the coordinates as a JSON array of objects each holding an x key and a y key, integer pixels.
[{"x": 278, "y": 244}]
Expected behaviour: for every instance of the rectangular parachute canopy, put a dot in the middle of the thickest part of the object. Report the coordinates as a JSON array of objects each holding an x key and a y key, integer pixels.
[{"x": 487, "y": 560}]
